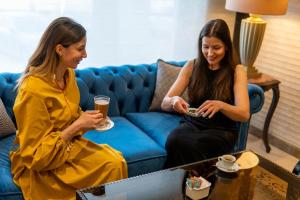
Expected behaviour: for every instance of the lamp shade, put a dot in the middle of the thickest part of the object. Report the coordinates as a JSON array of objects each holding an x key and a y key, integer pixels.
[{"x": 261, "y": 7}]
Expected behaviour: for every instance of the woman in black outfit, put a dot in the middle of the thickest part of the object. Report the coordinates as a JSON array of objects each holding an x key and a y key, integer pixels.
[{"x": 217, "y": 87}]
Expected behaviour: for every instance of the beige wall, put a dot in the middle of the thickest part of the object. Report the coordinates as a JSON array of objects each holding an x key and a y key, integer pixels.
[
  {"x": 216, "y": 9},
  {"x": 280, "y": 57}
]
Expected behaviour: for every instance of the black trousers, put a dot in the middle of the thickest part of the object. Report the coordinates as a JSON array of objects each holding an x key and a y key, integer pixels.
[{"x": 190, "y": 143}]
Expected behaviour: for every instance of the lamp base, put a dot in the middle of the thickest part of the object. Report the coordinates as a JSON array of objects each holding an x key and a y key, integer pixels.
[
  {"x": 251, "y": 37},
  {"x": 253, "y": 73}
]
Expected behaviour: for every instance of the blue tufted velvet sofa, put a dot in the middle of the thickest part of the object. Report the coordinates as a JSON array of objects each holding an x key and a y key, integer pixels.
[{"x": 139, "y": 134}]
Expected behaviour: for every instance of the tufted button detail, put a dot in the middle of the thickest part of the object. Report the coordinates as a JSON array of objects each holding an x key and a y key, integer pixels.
[
  {"x": 149, "y": 69},
  {"x": 131, "y": 69},
  {"x": 92, "y": 90},
  {"x": 120, "y": 103},
  {"x": 129, "y": 86},
  {"x": 111, "y": 87},
  {"x": 8, "y": 80},
  {"x": 115, "y": 71},
  {"x": 146, "y": 84}
]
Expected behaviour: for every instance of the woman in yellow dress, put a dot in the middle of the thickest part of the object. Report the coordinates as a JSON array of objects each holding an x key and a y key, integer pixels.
[{"x": 52, "y": 160}]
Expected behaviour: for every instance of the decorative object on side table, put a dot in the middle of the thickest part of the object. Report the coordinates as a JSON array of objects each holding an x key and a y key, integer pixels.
[
  {"x": 267, "y": 82},
  {"x": 197, "y": 187},
  {"x": 253, "y": 28}
]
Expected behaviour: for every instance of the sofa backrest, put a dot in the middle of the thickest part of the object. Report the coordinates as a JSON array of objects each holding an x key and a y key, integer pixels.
[{"x": 130, "y": 87}]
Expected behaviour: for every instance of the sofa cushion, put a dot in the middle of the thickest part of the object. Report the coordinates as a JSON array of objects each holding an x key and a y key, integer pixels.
[
  {"x": 6, "y": 125},
  {"x": 142, "y": 154},
  {"x": 8, "y": 190},
  {"x": 166, "y": 76},
  {"x": 156, "y": 124},
  {"x": 8, "y": 92}
]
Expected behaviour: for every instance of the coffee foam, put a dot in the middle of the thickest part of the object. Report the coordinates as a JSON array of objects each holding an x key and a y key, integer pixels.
[{"x": 101, "y": 102}]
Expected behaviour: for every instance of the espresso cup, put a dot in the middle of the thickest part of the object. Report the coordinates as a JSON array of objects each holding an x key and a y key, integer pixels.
[
  {"x": 227, "y": 160},
  {"x": 102, "y": 103}
]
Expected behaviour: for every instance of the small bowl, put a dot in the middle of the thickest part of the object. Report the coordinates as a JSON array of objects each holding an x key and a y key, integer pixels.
[{"x": 198, "y": 193}]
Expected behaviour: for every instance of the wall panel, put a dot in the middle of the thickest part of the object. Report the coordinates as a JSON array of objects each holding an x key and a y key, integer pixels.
[{"x": 280, "y": 57}]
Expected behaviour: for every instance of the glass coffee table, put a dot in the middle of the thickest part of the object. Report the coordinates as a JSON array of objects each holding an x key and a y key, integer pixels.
[{"x": 263, "y": 181}]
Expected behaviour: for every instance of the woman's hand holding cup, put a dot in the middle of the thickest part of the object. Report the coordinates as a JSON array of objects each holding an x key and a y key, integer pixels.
[{"x": 89, "y": 119}]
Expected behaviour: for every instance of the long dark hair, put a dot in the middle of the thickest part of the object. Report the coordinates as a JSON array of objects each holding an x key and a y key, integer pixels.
[
  {"x": 222, "y": 85},
  {"x": 45, "y": 60}
]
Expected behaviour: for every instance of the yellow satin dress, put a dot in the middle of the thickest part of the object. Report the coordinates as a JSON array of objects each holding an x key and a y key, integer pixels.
[{"x": 44, "y": 166}]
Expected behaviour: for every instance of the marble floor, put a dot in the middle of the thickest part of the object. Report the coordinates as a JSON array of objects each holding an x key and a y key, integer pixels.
[{"x": 277, "y": 156}]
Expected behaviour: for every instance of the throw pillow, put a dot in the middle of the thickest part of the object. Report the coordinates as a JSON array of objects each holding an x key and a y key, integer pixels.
[
  {"x": 166, "y": 76},
  {"x": 6, "y": 125}
]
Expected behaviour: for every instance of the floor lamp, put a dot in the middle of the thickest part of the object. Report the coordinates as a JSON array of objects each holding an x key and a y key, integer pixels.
[{"x": 253, "y": 28}]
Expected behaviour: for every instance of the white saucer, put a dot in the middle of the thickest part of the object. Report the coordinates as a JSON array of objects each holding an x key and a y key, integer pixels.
[
  {"x": 221, "y": 167},
  {"x": 108, "y": 125}
]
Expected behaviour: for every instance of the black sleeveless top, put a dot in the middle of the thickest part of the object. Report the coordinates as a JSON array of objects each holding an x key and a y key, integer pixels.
[{"x": 219, "y": 120}]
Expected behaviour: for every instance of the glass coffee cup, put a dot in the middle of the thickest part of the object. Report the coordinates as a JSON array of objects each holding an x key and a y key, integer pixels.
[{"x": 102, "y": 103}]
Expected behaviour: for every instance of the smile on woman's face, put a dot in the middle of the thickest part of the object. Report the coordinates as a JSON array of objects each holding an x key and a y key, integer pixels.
[
  {"x": 73, "y": 54},
  {"x": 213, "y": 50}
]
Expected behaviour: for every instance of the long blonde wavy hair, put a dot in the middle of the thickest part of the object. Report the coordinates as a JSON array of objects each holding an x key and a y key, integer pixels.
[{"x": 45, "y": 60}]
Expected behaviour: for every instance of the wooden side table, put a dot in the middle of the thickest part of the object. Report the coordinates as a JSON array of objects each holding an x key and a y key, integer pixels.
[{"x": 267, "y": 82}]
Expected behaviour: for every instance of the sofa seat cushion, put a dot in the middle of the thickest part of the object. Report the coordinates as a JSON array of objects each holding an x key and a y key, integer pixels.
[
  {"x": 157, "y": 125},
  {"x": 143, "y": 155},
  {"x": 8, "y": 190}
]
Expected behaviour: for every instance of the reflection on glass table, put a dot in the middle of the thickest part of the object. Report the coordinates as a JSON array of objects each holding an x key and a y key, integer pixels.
[{"x": 257, "y": 178}]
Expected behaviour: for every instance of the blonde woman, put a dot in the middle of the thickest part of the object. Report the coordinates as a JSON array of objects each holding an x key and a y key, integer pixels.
[{"x": 52, "y": 159}]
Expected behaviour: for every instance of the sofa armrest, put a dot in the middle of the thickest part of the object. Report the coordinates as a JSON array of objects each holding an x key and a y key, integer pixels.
[{"x": 257, "y": 98}]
